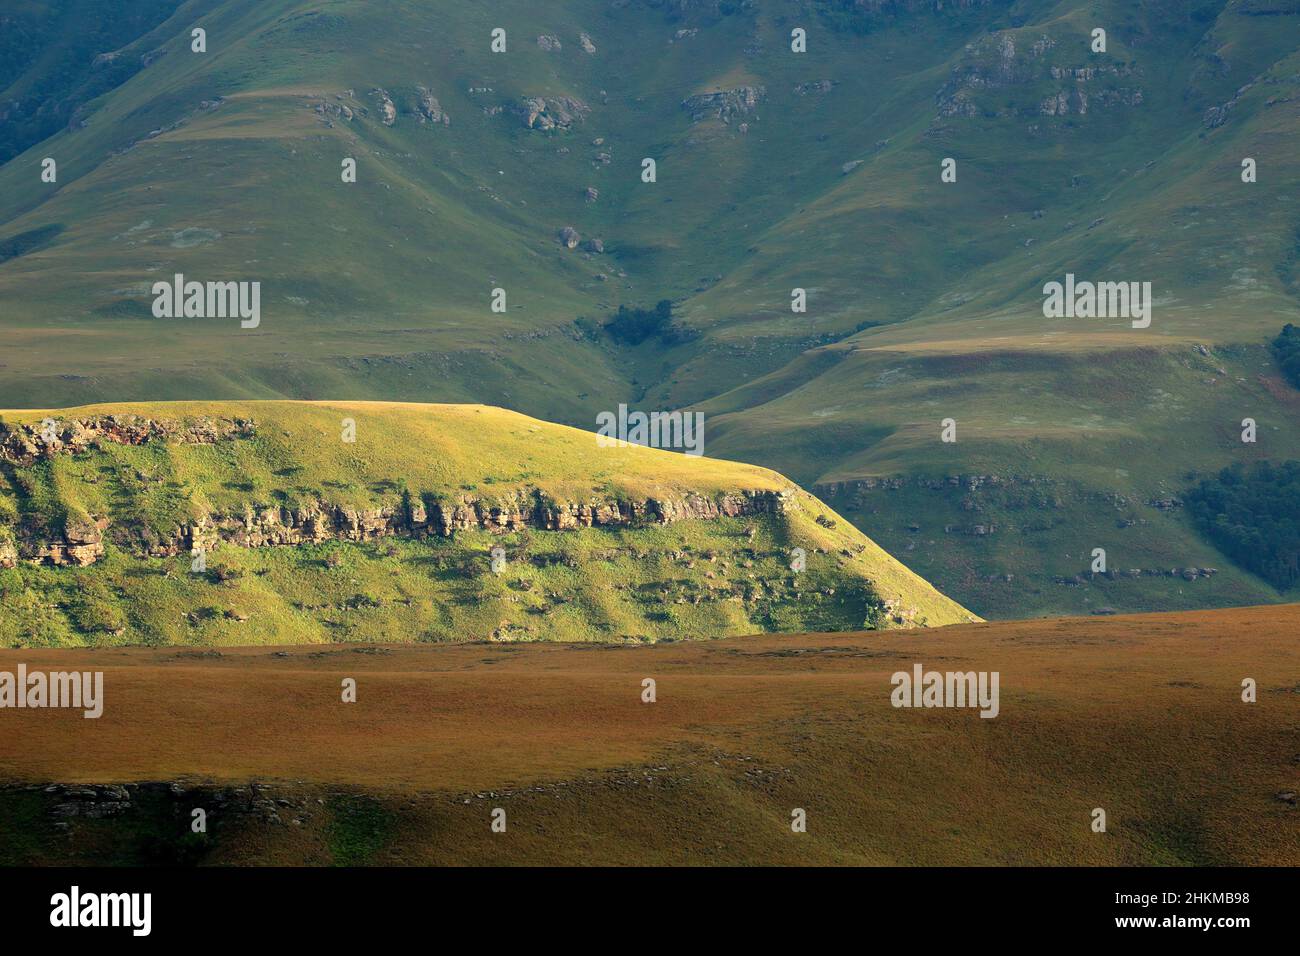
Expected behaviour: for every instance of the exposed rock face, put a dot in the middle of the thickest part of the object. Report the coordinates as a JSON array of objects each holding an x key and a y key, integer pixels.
[
  {"x": 268, "y": 526},
  {"x": 424, "y": 517},
  {"x": 1187, "y": 574},
  {"x": 326, "y": 110},
  {"x": 81, "y": 544},
  {"x": 429, "y": 109},
  {"x": 1216, "y": 116},
  {"x": 990, "y": 63},
  {"x": 71, "y": 804},
  {"x": 569, "y": 237},
  {"x": 1005, "y": 60},
  {"x": 724, "y": 104},
  {"x": 1077, "y": 101},
  {"x": 547, "y": 113},
  {"x": 446, "y": 518},
  {"x": 896, "y": 482},
  {"x": 25, "y": 444},
  {"x": 256, "y": 526},
  {"x": 387, "y": 110}
]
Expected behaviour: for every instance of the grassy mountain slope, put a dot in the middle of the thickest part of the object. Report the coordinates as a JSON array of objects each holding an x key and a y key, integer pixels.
[
  {"x": 817, "y": 171},
  {"x": 307, "y": 537}
]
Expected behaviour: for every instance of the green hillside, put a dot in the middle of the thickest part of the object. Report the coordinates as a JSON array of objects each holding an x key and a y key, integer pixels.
[
  {"x": 775, "y": 171},
  {"x": 281, "y": 522}
]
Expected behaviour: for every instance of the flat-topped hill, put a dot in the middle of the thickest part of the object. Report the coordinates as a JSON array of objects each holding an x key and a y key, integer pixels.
[{"x": 270, "y": 522}]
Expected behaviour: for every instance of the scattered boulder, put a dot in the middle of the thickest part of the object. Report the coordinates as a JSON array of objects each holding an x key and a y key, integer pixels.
[
  {"x": 594, "y": 245},
  {"x": 429, "y": 109},
  {"x": 549, "y": 43},
  {"x": 387, "y": 109},
  {"x": 585, "y": 42},
  {"x": 569, "y": 237},
  {"x": 817, "y": 86},
  {"x": 591, "y": 194}
]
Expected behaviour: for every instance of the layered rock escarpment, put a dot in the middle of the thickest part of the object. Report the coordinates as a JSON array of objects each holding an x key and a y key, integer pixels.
[
  {"x": 259, "y": 526},
  {"x": 427, "y": 516},
  {"x": 81, "y": 539}
]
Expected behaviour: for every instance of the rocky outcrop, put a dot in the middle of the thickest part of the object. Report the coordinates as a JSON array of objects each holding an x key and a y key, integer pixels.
[
  {"x": 586, "y": 43},
  {"x": 82, "y": 544},
  {"x": 815, "y": 87},
  {"x": 431, "y": 517},
  {"x": 260, "y": 526},
  {"x": 69, "y": 804},
  {"x": 1216, "y": 116},
  {"x": 26, "y": 444},
  {"x": 569, "y": 237},
  {"x": 1187, "y": 574},
  {"x": 329, "y": 110},
  {"x": 549, "y": 113},
  {"x": 429, "y": 110},
  {"x": 1006, "y": 60},
  {"x": 549, "y": 43},
  {"x": 1077, "y": 101},
  {"x": 387, "y": 109},
  {"x": 724, "y": 105},
  {"x": 897, "y": 482}
]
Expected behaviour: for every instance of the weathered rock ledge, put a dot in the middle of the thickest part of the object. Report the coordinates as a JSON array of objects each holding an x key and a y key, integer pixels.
[
  {"x": 27, "y": 444},
  {"x": 427, "y": 516}
]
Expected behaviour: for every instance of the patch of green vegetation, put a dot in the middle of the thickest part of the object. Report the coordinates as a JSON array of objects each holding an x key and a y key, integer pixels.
[
  {"x": 28, "y": 241},
  {"x": 23, "y": 827},
  {"x": 634, "y": 326},
  {"x": 1252, "y": 514},
  {"x": 360, "y": 827},
  {"x": 1286, "y": 350}
]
